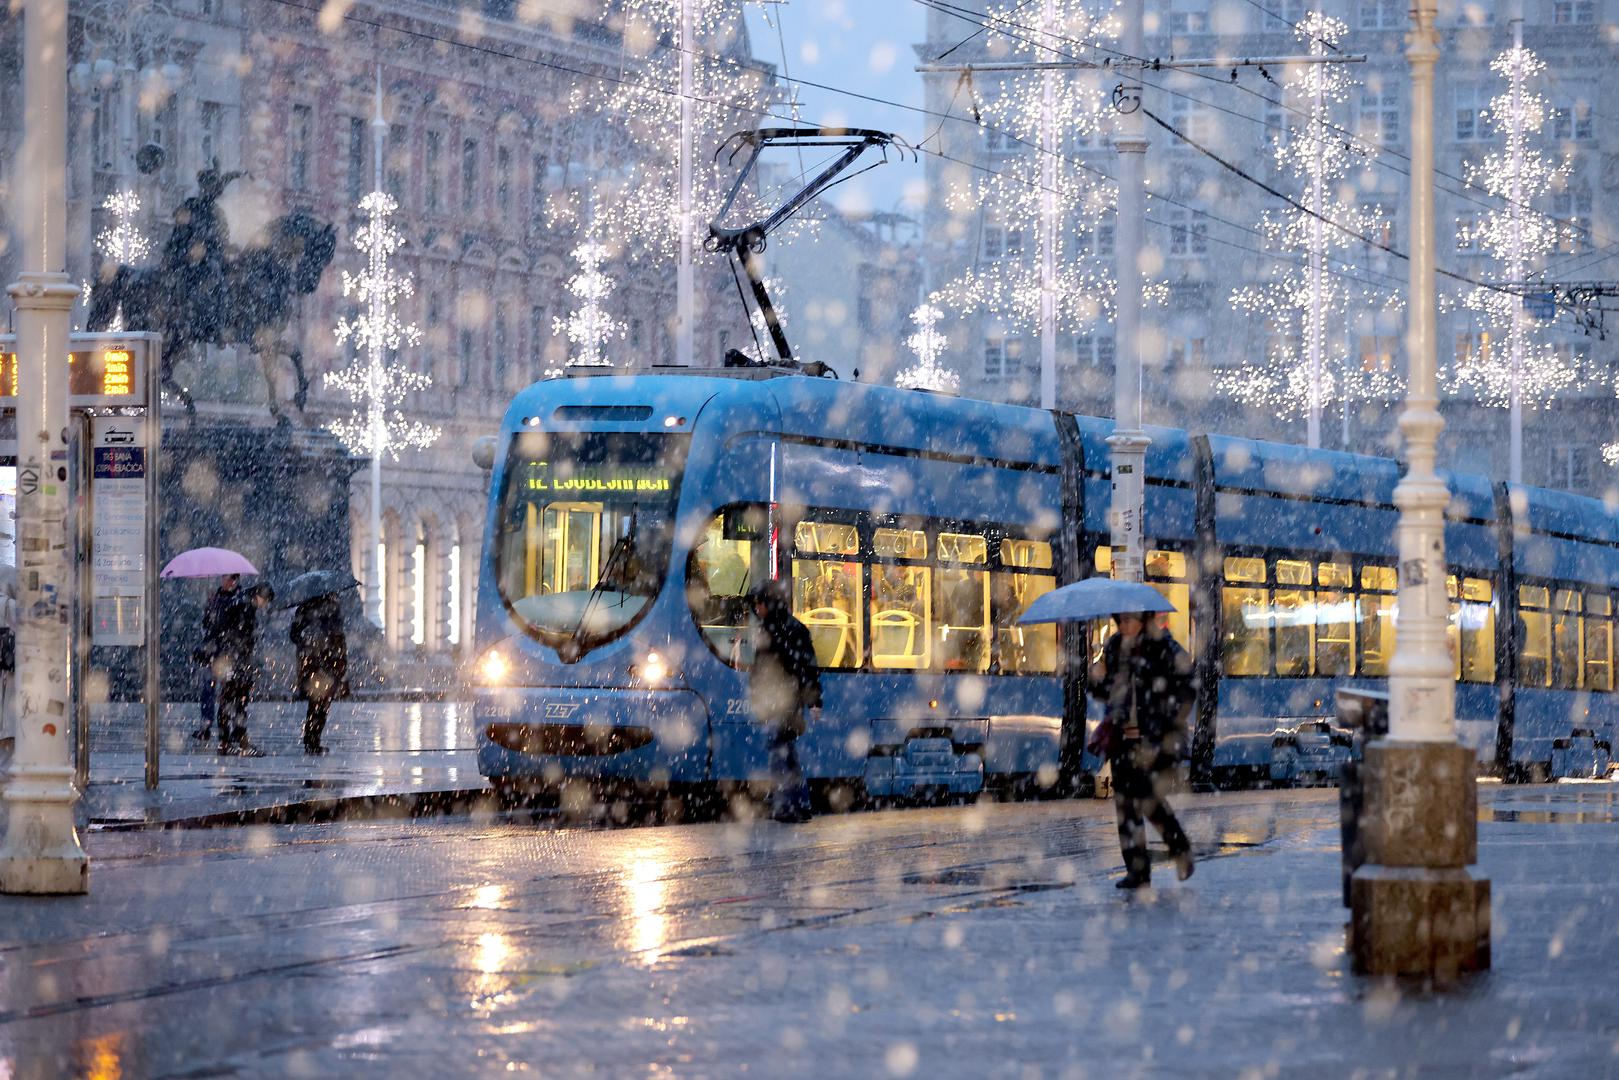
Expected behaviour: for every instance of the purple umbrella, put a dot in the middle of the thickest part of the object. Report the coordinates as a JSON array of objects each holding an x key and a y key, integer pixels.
[{"x": 207, "y": 562}]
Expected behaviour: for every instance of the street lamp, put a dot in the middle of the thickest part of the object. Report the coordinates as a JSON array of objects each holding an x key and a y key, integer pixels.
[{"x": 1416, "y": 908}]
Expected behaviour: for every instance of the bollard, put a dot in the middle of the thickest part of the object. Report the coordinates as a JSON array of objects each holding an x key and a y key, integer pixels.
[{"x": 1366, "y": 714}]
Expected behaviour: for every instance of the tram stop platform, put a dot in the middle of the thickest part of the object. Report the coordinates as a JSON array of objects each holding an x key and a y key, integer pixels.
[{"x": 387, "y": 758}]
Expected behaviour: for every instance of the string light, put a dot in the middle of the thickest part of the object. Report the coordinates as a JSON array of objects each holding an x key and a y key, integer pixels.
[
  {"x": 1306, "y": 368},
  {"x": 378, "y": 425},
  {"x": 1518, "y": 237},
  {"x": 589, "y": 327},
  {"x": 122, "y": 243},
  {"x": 1039, "y": 193},
  {"x": 928, "y": 343}
]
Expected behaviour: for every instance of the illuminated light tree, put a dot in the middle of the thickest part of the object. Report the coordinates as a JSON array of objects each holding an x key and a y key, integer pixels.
[
  {"x": 1522, "y": 370},
  {"x": 378, "y": 425},
  {"x": 684, "y": 91},
  {"x": 1038, "y": 190},
  {"x": 1306, "y": 368},
  {"x": 927, "y": 343},
  {"x": 121, "y": 243},
  {"x": 589, "y": 326}
]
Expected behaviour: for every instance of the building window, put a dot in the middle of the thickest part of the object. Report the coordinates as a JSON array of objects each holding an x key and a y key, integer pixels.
[
  {"x": 1572, "y": 209},
  {"x": 300, "y": 136},
  {"x": 1570, "y": 468},
  {"x": 1382, "y": 15},
  {"x": 452, "y": 621},
  {"x": 210, "y": 137},
  {"x": 464, "y": 358},
  {"x": 356, "y": 175},
  {"x": 1185, "y": 352},
  {"x": 1188, "y": 22},
  {"x": 537, "y": 337},
  {"x": 1472, "y": 348},
  {"x": 1377, "y": 353},
  {"x": 503, "y": 178},
  {"x": 432, "y": 180},
  {"x": 1573, "y": 12},
  {"x": 1380, "y": 117},
  {"x": 383, "y": 601},
  {"x": 1003, "y": 357},
  {"x": 398, "y": 162},
  {"x": 418, "y": 589},
  {"x": 539, "y": 168},
  {"x": 1190, "y": 118},
  {"x": 1572, "y": 120},
  {"x": 1472, "y": 105},
  {"x": 1467, "y": 232},
  {"x": 497, "y": 362},
  {"x": 998, "y": 143},
  {"x": 469, "y": 174},
  {"x": 1002, "y": 241},
  {"x": 1188, "y": 233}
]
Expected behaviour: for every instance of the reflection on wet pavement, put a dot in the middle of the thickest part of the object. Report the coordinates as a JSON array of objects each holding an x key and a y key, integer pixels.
[{"x": 958, "y": 941}]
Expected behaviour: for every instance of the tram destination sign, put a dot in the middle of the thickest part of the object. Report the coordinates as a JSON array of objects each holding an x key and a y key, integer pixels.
[{"x": 100, "y": 374}]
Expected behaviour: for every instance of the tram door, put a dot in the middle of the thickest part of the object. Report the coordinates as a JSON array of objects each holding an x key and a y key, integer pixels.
[{"x": 564, "y": 556}]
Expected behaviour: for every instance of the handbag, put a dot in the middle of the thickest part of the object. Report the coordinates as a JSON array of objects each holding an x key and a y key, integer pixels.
[{"x": 1102, "y": 739}]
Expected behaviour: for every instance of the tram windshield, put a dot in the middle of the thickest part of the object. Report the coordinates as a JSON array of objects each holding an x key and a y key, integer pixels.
[{"x": 586, "y": 524}]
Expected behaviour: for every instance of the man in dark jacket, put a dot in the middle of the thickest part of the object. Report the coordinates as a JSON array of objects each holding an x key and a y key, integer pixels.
[
  {"x": 207, "y": 653},
  {"x": 784, "y": 681},
  {"x": 237, "y": 635},
  {"x": 1145, "y": 678},
  {"x": 323, "y": 663}
]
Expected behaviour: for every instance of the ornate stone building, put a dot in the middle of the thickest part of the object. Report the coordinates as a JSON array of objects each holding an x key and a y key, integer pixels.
[{"x": 476, "y": 97}]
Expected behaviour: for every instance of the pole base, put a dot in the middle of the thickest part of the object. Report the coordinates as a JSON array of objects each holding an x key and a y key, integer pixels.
[
  {"x": 41, "y": 854},
  {"x": 1432, "y": 924}
]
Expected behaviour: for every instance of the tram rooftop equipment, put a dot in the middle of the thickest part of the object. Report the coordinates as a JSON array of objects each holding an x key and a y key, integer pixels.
[{"x": 745, "y": 243}]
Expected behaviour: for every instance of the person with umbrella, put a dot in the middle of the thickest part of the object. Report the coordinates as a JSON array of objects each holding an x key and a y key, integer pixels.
[
  {"x": 1145, "y": 681},
  {"x": 207, "y": 654},
  {"x": 1144, "y": 678},
  {"x": 783, "y": 681},
  {"x": 234, "y": 663},
  {"x": 323, "y": 658}
]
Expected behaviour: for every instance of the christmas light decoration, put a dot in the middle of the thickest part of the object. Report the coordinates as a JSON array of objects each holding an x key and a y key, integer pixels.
[
  {"x": 1515, "y": 369},
  {"x": 378, "y": 426},
  {"x": 122, "y": 243},
  {"x": 1035, "y": 189},
  {"x": 1306, "y": 368},
  {"x": 589, "y": 327},
  {"x": 927, "y": 343}
]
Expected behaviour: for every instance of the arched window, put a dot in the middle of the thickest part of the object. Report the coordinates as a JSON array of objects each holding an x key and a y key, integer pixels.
[
  {"x": 452, "y": 598},
  {"x": 418, "y": 588}
]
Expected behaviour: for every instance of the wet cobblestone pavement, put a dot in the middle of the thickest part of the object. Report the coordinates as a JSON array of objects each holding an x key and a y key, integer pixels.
[{"x": 977, "y": 941}]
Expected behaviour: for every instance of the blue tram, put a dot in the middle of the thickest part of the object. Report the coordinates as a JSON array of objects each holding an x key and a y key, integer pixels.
[{"x": 630, "y": 516}]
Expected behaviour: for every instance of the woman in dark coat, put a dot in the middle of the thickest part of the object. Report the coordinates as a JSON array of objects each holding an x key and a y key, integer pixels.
[
  {"x": 783, "y": 681},
  {"x": 323, "y": 663},
  {"x": 1145, "y": 680}
]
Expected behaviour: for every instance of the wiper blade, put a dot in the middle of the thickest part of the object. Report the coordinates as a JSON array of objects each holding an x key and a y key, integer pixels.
[{"x": 570, "y": 650}]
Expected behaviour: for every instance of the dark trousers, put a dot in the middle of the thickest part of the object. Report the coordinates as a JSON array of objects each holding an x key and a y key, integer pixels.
[
  {"x": 1138, "y": 792},
  {"x": 789, "y": 793},
  {"x": 234, "y": 693},
  {"x": 205, "y": 696},
  {"x": 320, "y": 705}
]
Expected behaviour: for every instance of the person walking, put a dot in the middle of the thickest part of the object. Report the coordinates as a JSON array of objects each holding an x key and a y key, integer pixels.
[
  {"x": 783, "y": 682},
  {"x": 237, "y": 635},
  {"x": 1145, "y": 679},
  {"x": 206, "y": 655},
  {"x": 10, "y": 617},
  {"x": 323, "y": 663}
]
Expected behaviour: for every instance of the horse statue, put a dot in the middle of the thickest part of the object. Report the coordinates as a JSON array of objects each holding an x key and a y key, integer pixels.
[{"x": 205, "y": 291}]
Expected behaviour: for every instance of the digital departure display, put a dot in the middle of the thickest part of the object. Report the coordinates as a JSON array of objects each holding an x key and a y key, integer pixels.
[
  {"x": 94, "y": 377},
  {"x": 574, "y": 478}
]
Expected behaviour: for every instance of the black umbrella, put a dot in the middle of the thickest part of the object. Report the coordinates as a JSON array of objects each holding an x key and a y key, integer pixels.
[{"x": 313, "y": 585}]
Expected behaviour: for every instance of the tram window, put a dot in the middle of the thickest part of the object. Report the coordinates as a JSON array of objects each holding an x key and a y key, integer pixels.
[
  {"x": 1598, "y": 642},
  {"x": 1567, "y": 642},
  {"x": 826, "y": 538},
  {"x": 899, "y": 543},
  {"x": 1026, "y": 650},
  {"x": 1335, "y": 620},
  {"x": 962, "y": 628},
  {"x": 901, "y": 616},
  {"x": 1166, "y": 572},
  {"x": 1245, "y": 649},
  {"x": 1294, "y": 613},
  {"x": 963, "y": 548},
  {"x": 1375, "y": 608},
  {"x": 1534, "y": 636},
  {"x": 826, "y": 599},
  {"x": 1453, "y": 628},
  {"x": 719, "y": 572},
  {"x": 1475, "y": 622}
]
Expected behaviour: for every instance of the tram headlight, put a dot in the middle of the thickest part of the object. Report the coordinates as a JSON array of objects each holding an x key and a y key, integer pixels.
[
  {"x": 493, "y": 669},
  {"x": 652, "y": 670}
]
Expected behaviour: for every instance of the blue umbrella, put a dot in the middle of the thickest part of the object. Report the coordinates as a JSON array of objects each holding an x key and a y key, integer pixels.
[
  {"x": 1094, "y": 598},
  {"x": 314, "y": 584}
]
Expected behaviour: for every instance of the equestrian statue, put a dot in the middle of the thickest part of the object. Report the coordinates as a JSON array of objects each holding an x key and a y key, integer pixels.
[{"x": 206, "y": 291}]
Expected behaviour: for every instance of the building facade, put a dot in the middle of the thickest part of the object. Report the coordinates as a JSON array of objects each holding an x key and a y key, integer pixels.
[
  {"x": 488, "y": 121},
  {"x": 1203, "y": 239}
]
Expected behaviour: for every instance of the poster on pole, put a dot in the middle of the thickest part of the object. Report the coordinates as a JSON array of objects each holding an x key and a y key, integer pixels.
[{"x": 118, "y": 464}]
